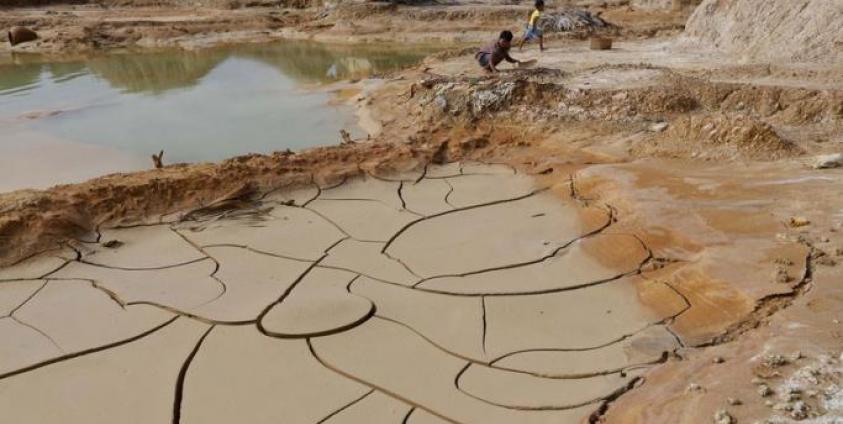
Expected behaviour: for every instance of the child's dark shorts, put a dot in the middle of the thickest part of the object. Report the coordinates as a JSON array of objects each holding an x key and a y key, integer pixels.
[{"x": 483, "y": 59}]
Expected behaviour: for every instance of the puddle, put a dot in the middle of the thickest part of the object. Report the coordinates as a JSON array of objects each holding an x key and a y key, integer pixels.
[{"x": 68, "y": 121}]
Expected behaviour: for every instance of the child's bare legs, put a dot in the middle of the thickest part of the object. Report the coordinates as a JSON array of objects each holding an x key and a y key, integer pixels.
[{"x": 541, "y": 43}]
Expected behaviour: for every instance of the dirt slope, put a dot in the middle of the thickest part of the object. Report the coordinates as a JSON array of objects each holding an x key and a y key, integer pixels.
[{"x": 797, "y": 30}]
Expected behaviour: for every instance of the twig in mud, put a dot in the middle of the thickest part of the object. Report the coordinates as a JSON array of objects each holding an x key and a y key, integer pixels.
[
  {"x": 346, "y": 137},
  {"x": 238, "y": 198},
  {"x": 157, "y": 160}
]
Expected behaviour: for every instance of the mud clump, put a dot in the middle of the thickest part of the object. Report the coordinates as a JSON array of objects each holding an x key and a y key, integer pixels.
[{"x": 19, "y": 35}]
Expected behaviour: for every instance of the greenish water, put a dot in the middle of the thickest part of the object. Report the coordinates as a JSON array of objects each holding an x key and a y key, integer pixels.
[{"x": 71, "y": 120}]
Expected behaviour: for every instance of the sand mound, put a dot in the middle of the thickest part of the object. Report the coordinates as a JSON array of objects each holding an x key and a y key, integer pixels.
[
  {"x": 719, "y": 136},
  {"x": 800, "y": 30}
]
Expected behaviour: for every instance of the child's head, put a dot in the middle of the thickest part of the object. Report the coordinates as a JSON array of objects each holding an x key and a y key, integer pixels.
[
  {"x": 540, "y": 4},
  {"x": 506, "y": 38}
]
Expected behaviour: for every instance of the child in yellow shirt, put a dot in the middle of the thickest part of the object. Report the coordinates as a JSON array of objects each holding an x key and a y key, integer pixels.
[{"x": 533, "y": 31}]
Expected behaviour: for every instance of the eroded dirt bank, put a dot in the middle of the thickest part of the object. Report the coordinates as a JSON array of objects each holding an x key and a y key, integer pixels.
[{"x": 708, "y": 163}]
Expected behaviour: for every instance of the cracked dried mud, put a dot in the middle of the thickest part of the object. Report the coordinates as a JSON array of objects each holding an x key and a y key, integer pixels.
[{"x": 469, "y": 293}]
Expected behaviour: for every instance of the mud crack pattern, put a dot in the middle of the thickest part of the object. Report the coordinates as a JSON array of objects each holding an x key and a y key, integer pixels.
[{"x": 461, "y": 294}]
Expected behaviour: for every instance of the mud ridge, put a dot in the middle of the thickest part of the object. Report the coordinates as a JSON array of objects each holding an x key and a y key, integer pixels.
[{"x": 767, "y": 306}]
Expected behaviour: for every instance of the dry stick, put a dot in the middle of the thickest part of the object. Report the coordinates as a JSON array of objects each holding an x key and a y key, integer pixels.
[{"x": 157, "y": 160}]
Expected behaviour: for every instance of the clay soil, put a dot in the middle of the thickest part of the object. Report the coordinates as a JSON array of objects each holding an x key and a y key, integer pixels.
[{"x": 706, "y": 160}]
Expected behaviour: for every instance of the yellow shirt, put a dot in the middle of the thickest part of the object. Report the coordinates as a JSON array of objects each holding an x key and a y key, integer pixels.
[{"x": 534, "y": 18}]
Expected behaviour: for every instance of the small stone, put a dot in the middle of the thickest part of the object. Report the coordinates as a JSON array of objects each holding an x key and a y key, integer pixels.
[
  {"x": 757, "y": 381},
  {"x": 798, "y": 221},
  {"x": 659, "y": 127},
  {"x": 717, "y": 360},
  {"x": 769, "y": 403},
  {"x": 764, "y": 390},
  {"x": 796, "y": 356},
  {"x": 441, "y": 102},
  {"x": 734, "y": 401},
  {"x": 113, "y": 244},
  {"x": 782, "y": 406},
  {"x": 790, "y": 397},
  {"x": 694, "y": 387},
  {"x": 828, "y": 161},
  {"x": 793, "y": 390},
  {"x": 723, "y": 417},
  {"x": 800, "y": 410},
  {"x": 811, "y": 393},
  {"x": 775, "y": 361}
]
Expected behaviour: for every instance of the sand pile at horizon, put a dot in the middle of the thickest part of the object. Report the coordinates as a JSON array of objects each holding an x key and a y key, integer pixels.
[{"x": 797, "y": 30}]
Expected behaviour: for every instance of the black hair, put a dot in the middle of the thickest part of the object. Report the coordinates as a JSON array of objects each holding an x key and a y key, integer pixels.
[
  {"x": 539, "y": 3},
  {"x": 506, "y": 35}
]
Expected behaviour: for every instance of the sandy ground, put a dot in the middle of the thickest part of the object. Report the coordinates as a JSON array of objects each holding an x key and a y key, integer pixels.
[{"x": 704, "y": 160}]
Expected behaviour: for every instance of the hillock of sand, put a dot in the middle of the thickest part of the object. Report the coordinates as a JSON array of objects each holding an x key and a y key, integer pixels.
[{"x": 765, "y": 30}]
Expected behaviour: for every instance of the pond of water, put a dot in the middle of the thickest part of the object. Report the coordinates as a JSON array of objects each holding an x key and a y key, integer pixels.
[{"x": 66, "y": 121}]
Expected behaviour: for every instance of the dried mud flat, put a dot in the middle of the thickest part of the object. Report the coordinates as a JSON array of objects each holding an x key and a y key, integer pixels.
[
  {"x": 665, "y": 253},
  {"x": 461, "y": 293}
]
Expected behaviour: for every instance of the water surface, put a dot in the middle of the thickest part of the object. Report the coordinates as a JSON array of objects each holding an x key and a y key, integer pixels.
[{"x": 66, "y": 121}]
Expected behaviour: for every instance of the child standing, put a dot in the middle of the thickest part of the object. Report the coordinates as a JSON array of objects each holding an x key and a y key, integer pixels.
[{"x": 533, "y": 31}]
